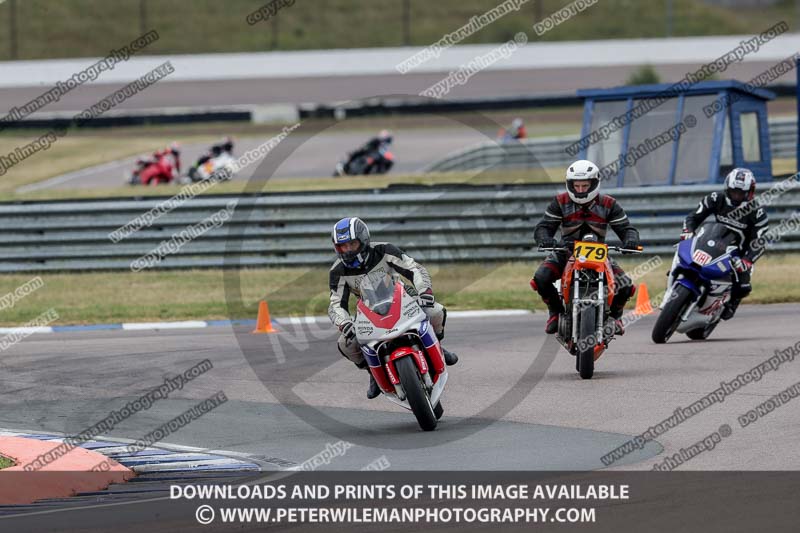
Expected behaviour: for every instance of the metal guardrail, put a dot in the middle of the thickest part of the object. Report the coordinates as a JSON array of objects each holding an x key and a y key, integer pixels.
[
  {"x": 440, "y": 224},
  {"x": 551, "y": 151},
  {"x": 783, "y": 138},
  {"x": 529, "y": 153}
]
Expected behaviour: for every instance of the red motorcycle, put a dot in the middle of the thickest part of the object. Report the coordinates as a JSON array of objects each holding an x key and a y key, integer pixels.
[
  {"x": 164, "y": 167},
  {"x": 400, "y": 347}
]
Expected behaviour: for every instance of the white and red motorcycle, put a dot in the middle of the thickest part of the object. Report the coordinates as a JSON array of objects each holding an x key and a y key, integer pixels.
[
  {"x": 222, "y": 167},
  {"x": 399, "y": 344}
]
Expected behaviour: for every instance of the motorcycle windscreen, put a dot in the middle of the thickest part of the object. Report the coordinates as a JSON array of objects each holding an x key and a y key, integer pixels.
[
  {"x": 713, "y": 240},
  {"x": 377, "y": 292}
]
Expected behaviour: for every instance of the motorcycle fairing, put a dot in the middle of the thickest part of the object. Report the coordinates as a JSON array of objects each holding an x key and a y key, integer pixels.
[
  {"x": 405, "y": 351},
  {"x": 711, "y": 276},
  {"x": 403, "y": 315},
  {"x": 604, "y": 268}
]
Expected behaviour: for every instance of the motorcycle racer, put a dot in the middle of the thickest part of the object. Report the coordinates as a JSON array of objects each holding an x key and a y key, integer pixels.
[
  {"x": 162, "y": 167},
  {"x": 225, "y": 145},
  {"x": 738, "y": 208},
  {"x": 514, "y": 133},
  {"x": 357, "y": 257},
  {"x": 579, "y": 211},
  {"x": 384, "y": 138}
]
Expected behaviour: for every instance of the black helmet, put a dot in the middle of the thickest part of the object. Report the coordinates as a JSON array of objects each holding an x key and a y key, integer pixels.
[
  {"x": 347, "y": 231},
  {"x": 227, "y": 144}
]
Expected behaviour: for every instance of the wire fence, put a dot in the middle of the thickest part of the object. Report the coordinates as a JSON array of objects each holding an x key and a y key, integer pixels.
[{"x": 39, "y": 29}]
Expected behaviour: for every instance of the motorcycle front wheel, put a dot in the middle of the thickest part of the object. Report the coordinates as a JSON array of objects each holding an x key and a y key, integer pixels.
[
  {"x": 415, "y": 393},
  {"x": 670, "y": 317},
  {"x": 586, "y": 346}
]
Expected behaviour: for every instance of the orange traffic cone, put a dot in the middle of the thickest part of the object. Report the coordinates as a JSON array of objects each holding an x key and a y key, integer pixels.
[
  {"x": 263, "y": 323},
  {"x": 643, "y": 306}
]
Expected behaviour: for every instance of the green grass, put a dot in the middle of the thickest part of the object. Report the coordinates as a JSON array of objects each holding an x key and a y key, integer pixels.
[
  {"x": 278, "y": 185},
  {"x": 74, "y": 152},
  {"x": 88, "y": 147},
  {"x": 87, "y": 298},
  {"x": 5, "y": 462},
  {"x": 84, "y": 28},
  {"x": 784, "y": 166}
]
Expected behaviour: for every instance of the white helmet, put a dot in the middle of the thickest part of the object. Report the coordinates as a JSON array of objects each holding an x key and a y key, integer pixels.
[
  {"x": 739, "y": 179},
  {"x": 579, "y": 171}
]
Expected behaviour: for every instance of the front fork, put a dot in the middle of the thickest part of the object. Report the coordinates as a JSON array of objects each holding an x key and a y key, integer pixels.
[
  {"x": 670, "y": 280},
  {"x": 578, "y": 303},
  {"x": 670, "y": 290},
  {"x": 697, "y": 300}
]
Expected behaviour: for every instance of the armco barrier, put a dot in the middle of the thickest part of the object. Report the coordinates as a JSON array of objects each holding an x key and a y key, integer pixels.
[
  {"x": 551, "y": 151},
  {"x": 436, "y": 224}
]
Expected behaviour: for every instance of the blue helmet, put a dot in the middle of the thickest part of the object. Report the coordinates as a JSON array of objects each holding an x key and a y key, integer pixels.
[{"x": 346, "y": 231}]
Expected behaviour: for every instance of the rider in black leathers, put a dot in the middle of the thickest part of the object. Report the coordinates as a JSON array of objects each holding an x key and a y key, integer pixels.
[
  {"x": 384, "y": 138},
  {"x": 739, "y": 208}
]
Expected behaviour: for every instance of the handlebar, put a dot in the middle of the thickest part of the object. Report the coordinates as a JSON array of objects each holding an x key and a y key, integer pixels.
[{"x": 638, "y": 250}]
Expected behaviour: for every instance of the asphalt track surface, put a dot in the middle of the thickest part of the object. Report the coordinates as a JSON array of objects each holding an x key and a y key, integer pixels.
[
  {"x": 315, "y": 155},
  {"x": 513, "y": 402}
]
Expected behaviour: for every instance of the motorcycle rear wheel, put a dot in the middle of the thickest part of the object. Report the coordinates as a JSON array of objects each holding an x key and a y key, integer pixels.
[
  {"x": 700, "y": 334},
  {"x": 415, "y": 393}
]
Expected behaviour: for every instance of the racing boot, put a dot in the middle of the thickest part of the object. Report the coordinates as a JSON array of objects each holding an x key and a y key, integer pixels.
[
  {"x": 616, "y": 316},
  {"x": 374, "y": 390},
  {"x": 730, "y": 308},
  {"x": 551, "y": 326},
  {"x": 616, "y": 325},
  {"x": 450, "y": 358}
]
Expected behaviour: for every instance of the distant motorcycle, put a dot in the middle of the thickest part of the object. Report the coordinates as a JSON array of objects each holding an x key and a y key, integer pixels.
[
  {"x": 162, "y": 169},
  {"x": 699, "y": 283},
  {"x": 378, "y": 161},
  {"x": 586, "y": 289},
  {"x": 222, "y": 166}
]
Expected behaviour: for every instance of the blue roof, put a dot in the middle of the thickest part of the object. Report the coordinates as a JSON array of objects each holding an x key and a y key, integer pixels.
[{"x": 702, "y": 87}]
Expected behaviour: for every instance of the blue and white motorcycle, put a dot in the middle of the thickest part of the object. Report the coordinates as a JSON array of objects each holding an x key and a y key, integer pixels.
[{"x": 700, "y": 281}]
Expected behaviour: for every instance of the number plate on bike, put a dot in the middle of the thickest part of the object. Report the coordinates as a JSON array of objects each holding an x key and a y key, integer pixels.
[{"x": 590, "y": 252}]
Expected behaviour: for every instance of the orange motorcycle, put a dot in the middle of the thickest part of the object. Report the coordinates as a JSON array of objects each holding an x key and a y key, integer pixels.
[{"x": 587, "y": 288}]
